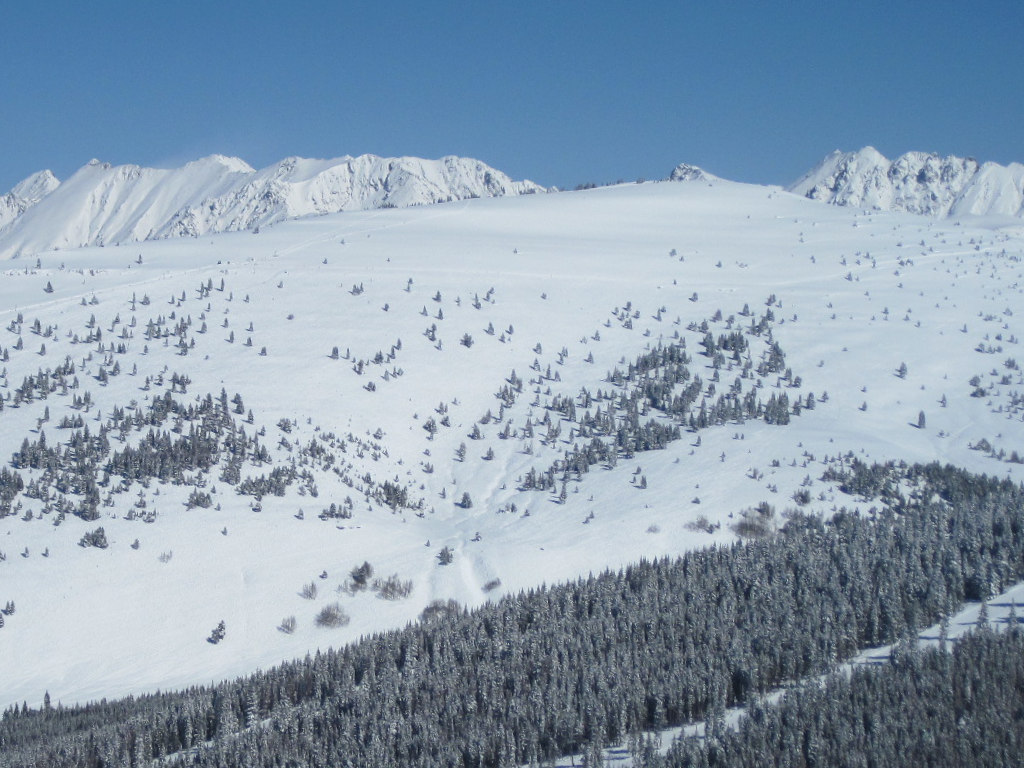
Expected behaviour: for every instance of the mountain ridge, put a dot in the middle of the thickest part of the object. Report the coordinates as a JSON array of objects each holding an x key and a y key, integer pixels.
[
  {"x": 915, "y": 182},
  {"x": 102, "y": 204}
]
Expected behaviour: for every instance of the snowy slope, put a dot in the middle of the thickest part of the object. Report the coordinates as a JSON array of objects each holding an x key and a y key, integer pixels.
[
  {"x": 915, "y": 182},
  {"x": 882, "y": 317},
  {"x": 103, "y": 204}
]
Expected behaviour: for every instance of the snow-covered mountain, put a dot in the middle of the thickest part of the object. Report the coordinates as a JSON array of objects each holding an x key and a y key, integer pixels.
[
  {"x": 103, "y": 204},
  {"x": 472, "y": 398},
  {"x": 916, "y": 182}
]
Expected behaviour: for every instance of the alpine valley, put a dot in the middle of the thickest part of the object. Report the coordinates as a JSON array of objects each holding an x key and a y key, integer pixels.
[{"x": 252, "y": 415}]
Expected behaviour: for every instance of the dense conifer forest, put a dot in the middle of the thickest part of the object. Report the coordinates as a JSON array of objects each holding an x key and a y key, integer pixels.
[
  {"x": 574, "y": 667},
  {"x": 924, "y": 708}
]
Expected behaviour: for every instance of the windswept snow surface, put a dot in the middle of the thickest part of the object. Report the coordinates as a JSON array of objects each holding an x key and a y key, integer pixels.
[
  {"x": 916, "y": 182},
  {"x": 562, "y": 279},
  {"x": 103, "y": 204}
]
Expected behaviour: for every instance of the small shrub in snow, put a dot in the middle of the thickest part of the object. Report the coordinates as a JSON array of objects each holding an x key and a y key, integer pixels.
[
  {"x": 392, "y": 588},
  {"x": 756, "y": 523},
  {"x": 95, "y": 538},
  {"x": 309, "y": 591},
  {"x": 360, "y": 576},
  {"x": 332, "y": 616},
  {"x": 702, "y": 524},
  {"x": 199, "y": 499},
  {"x": 217, "y": 634},
  {"x": 287, "y": 625}
]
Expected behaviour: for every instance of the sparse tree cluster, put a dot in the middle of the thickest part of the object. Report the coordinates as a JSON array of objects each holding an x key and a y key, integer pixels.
[{"x": 655, "y": 398}]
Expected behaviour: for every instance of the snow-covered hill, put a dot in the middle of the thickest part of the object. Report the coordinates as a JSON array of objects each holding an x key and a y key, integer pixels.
[
  {"x": 197, "y": 430},
  {"x": 916, "y": 182},
  {"x": 104, "y": 205}
]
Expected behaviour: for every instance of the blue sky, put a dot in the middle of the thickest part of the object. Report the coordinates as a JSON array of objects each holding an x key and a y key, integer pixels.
[{"x": 562, "y": 92}]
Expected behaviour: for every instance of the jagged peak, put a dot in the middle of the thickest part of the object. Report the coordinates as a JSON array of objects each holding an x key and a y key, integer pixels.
[
  {"x": 868, "y": 153},
  {"x": 687, "y": 172},
  {"x": 915, "y": 182},
  {"x": 35, "y": 187},
  {"x": 235, "y": 164},
  {"x": 90, "y": 170}
]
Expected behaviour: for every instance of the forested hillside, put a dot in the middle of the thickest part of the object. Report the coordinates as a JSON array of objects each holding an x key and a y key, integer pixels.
[
  {"x": 579, "y": 666},
  {"x": 924, "y": 708}
]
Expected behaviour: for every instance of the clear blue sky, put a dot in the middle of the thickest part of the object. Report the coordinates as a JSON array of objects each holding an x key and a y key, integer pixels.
[{"x": 561, "y": 92}]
